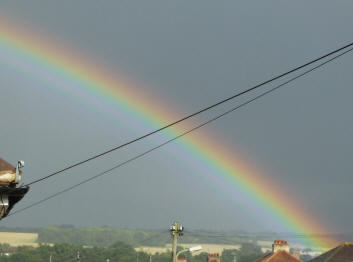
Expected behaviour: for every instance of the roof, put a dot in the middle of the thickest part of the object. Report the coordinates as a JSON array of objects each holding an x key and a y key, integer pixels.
[
  {"x": 5, "y": 166},
  {"x": 279, "y": 256},
  {"x": 341, "y": 253}
]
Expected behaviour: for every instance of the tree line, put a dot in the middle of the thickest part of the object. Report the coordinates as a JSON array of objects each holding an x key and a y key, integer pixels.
[
  {"x": 118, "y": 252},
  {"x": 104, "y": 236}
]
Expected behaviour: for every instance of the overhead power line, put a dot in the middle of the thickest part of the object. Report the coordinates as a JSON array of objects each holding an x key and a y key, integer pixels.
[
  {"x": 179, "y": 136},
  {"x": 191, "y": 115}
]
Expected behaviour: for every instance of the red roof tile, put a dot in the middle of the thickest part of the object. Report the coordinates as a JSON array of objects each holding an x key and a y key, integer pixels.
[
  {"x": 279, "y": 256},
  {"x": 341, "y": 253}
]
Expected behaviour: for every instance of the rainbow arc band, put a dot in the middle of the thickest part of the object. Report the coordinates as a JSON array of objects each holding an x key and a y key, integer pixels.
[{"x": 24, "y": 47}]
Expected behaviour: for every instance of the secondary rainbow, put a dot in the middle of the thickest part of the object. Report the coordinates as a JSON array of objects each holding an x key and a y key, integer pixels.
[{"x": 85, "y": 78}]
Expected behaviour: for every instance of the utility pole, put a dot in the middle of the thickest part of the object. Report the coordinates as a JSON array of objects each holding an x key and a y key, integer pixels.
[
  {"x": 176, "y": 231},
  {"x": 234, "y": 256},
  {"x": 50, "y": 258}
]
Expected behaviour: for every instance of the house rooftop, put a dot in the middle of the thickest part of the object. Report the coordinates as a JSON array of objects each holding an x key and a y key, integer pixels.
[
  {"x": 341, "y": 253},
  {"x": 280, "y": 253},
  {"x": 279, "y": 256}
]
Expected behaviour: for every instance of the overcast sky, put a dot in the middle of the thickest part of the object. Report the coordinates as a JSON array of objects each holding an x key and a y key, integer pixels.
[{"x": 190, "y": 53}]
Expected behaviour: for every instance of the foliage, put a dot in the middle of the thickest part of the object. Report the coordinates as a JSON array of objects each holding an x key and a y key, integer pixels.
[
  {"x": 248, "y": 252},
  {"x": 200, "y": 257},
  {"x": 118, "y": 252},
  {"x": 105, "y": 236},
  {"x": 19, "y": 229},
  {"x": 228, "y": 255}
]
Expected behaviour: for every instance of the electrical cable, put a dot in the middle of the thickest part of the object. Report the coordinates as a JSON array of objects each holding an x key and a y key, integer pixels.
[
  {"x": 179, "y": 136},
  {"x": 191, "y": 115}
]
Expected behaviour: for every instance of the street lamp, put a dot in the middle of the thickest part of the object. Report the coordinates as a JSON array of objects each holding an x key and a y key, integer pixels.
[
  {"x": 10, "y": 191},
  {"x": 191, "y": 249}
]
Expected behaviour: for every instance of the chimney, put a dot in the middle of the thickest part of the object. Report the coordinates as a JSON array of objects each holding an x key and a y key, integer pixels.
[
  {"x": 181, "y": 259},
  {"x": 280, "y": 245},
  {"x": 214, "y": 257}
]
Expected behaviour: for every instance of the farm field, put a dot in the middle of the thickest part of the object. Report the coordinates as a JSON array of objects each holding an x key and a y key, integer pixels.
[
  {"x": 208, "y": 248},
  {"x": 19, "y": 239}
]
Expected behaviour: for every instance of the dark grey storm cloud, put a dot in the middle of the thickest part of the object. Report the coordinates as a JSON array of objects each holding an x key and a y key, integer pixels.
[{"x": 190, "y": 53}]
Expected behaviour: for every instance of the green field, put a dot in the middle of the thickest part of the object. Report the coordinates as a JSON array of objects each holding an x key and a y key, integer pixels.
[{"x": 19, "y": 239}]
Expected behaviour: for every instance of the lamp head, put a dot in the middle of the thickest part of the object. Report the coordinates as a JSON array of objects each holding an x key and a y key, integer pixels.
[
  {"x": 196, "y": 248},
  {"x": 20, "y": 163}
]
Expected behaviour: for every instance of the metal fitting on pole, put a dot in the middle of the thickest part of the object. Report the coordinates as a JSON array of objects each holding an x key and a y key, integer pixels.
[{"x": 176, "y": 231}]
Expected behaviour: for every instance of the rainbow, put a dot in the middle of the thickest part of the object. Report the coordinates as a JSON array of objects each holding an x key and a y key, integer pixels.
[{"x": 69, "y": 72}]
